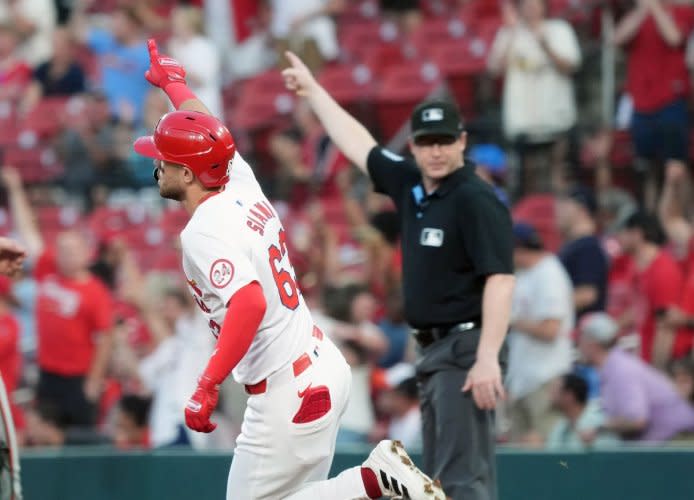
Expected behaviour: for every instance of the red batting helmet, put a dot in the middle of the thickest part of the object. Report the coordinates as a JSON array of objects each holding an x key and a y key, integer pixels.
[{"x": 192, "y": 139}]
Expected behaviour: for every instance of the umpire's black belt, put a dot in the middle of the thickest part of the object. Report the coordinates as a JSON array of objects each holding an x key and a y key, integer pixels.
[{"x": 427, "y": 336}]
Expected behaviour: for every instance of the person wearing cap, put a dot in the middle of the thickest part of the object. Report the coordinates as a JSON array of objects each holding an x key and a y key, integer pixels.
[
  {"x": 639, "y": 401},
  {"x": 658, "y": 285},
  {"x": 490, "y": 165},
  {"x": 582, "y": 253},
  {"x": 539, "y": 342},
  {"x": 457, "y": 278}
]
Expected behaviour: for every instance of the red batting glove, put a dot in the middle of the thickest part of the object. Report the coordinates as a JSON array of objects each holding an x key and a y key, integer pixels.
[
  {"x": 201, "y": 405},
  {"x": 163, "y": 70}
]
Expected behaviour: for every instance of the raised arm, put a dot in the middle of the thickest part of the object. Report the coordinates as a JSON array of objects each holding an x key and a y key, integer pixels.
[
  {"x": 350, "y": 136},
  {"x": 168, "y": 74},
  {"x": 667, "y": 27},
  {"x": 630, "y": 24},
  {"x": 671, "y": 209}
]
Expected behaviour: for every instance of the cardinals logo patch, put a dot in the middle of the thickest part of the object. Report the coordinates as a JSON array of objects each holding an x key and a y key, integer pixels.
[{"x": 221, "y": 273}]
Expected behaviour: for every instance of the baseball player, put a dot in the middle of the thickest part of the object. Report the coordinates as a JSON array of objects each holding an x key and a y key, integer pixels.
[{"x": 236, "y": 263}]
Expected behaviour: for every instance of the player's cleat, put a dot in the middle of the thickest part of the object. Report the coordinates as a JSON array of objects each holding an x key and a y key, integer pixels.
[{"x": 398, "y": 476}]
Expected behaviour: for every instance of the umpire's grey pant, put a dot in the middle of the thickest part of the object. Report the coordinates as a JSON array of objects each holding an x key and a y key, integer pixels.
[{"x": 458, "y": 437}]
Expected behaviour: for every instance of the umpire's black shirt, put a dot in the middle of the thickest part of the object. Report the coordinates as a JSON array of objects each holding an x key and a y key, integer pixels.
[{"x": 452, "y": 239}]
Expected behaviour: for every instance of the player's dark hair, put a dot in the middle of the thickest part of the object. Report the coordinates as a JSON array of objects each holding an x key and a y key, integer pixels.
[
  {"x": 649, "y": 225},
  {"x": 577, "y": 386},
  {"x": 137, "y": 408}
]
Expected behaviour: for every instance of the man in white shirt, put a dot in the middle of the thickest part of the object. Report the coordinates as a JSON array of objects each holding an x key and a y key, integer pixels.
[
  {"x": 539, "y": 341},
  {"x": 35, "y": 21},
  {"x": 537, "y": 57}
]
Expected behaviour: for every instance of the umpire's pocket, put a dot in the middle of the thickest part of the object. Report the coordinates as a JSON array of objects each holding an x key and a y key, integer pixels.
[{"x": 464, "y": 348}]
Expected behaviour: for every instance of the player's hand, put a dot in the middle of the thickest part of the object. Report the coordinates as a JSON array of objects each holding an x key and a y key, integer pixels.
[
  {"x": 12, "y": 256},
  {"x": 484, "y": 380},
  {"x": 298, "y": 77},
  {"x": 201, "y": 405},
  {"x": 163, "y": 70}
]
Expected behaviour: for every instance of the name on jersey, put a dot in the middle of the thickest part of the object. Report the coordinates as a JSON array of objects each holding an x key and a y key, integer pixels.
[{"x": 258, "y": 216}]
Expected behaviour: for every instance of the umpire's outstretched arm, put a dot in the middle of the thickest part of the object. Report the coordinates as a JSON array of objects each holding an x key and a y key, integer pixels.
[{"x": 350, "y": 136}]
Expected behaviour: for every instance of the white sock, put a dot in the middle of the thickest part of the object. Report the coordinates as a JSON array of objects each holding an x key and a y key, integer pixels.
[{"x": 348, "y": 485}]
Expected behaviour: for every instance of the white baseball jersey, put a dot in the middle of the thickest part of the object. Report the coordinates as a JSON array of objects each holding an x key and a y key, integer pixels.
[{"x": 234, "y": 238}]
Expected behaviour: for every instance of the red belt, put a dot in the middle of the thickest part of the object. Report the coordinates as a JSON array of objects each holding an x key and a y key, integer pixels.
[{"x": 299, "y": 366}]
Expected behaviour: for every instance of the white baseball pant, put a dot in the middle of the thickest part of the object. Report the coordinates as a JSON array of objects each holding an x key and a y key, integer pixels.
[{"x": 277, "y": 456}]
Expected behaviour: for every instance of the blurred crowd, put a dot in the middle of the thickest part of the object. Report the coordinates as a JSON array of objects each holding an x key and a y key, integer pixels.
[{"x": 101, "y": 341}]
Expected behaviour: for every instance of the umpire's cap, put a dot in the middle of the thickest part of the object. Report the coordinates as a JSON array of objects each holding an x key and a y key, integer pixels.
[{"x": 436, "y": 118}]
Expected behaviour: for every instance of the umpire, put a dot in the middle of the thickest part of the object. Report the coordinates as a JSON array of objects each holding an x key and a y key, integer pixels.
[{"x": 458, "y": 278}]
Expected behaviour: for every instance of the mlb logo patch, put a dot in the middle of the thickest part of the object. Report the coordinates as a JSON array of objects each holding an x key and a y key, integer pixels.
[
  {"x": 432, "y": 115},
  {"x": 431, "y": 237}
]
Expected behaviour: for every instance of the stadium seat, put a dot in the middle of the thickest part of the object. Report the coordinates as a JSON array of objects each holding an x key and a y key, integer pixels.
[
  {"x": 45, "y": 118},
  {"x": 58, "y": 217},
  {"x": 539, "y": 211},
  {"x": 358, "y": 12},
  {"x": 37, "y": 163},
  {"x": 352, "y": 86},
  {"x": 440, "y": 29},
  {"x": 261, "y": 100},
  {"x": 173, "y": 221},
  {"x": 106, "y": 221},
  {"x": 402, "y": 88},
  {"x": 356, "y": 41}
]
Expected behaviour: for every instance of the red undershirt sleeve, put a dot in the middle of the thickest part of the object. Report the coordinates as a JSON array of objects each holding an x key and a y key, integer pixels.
[{"x": 245, "y": 312}]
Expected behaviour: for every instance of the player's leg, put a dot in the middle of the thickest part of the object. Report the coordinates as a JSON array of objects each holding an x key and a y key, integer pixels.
[
  {"x": 289, "y": 430},
  {"x": 388, "y": 472}
]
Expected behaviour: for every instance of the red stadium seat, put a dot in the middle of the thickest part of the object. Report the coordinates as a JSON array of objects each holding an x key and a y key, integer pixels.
[
  {"x": 353, "y": 86},
  {"x": 262, "y": 99},
  {"x": 45, "y": 118},
  {"x": 402, "y": 88},
  {"x": 107, "y": 222},
  {"x": 58, "y": 217},
  {"x": 358, "y": 12},
  {"x": 440, "y": 29},
  {"x": 357, "y": 40},
  {"x": 39, "y": 163},
  {"x": 173, "y": 221},
  {"x": 539, "y": 211}
]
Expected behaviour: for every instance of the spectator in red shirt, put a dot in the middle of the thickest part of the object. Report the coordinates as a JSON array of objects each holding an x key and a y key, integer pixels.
[
  {"x": 658, "y": 283},
  {"x": 656, "y": 31},
  {"x": 10, "y": 355},
  {"x": 73, "y": 315},
  {"x": 681, "y": 317}
]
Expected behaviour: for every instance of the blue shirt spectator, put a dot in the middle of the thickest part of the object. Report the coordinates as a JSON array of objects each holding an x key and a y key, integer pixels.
[{"x": 122, "y": 70}]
